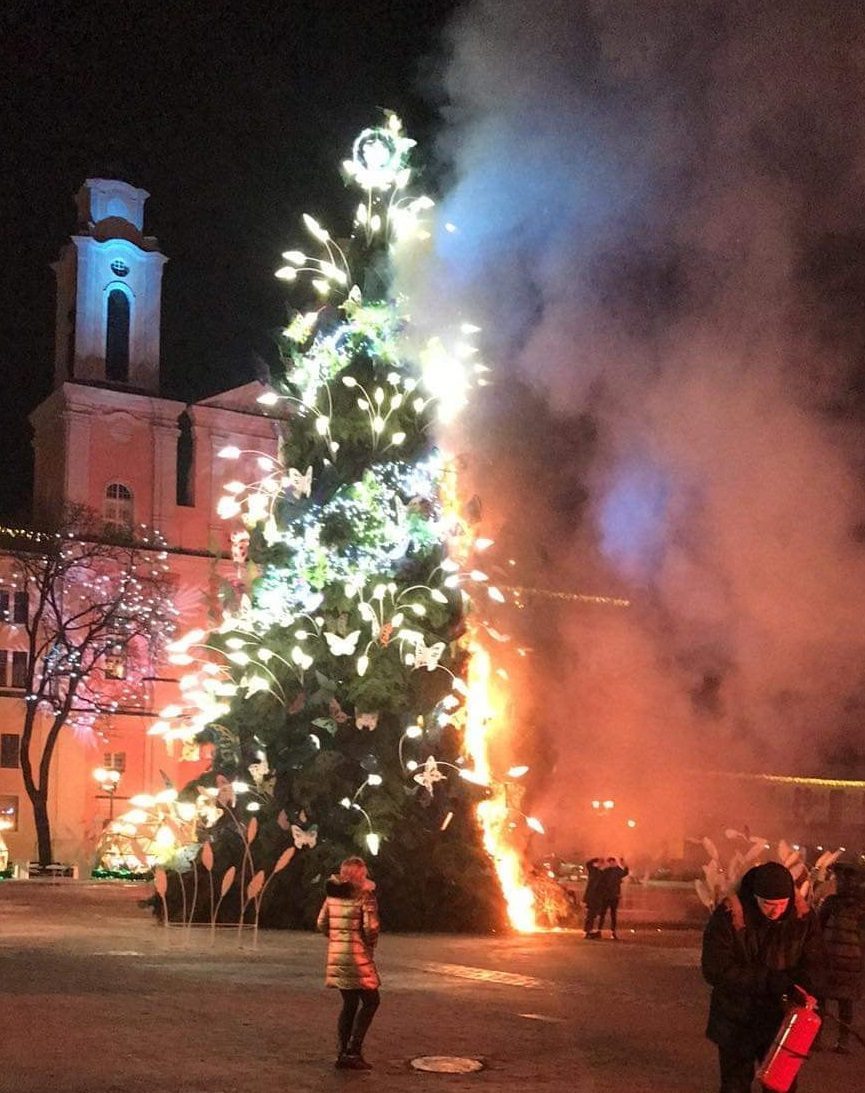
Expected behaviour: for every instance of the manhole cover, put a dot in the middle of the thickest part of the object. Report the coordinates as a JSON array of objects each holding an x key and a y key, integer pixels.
[{"x": 447, "y": 1064}]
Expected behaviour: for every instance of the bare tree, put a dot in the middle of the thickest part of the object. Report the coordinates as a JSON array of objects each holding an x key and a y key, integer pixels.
[{"x": 99, "y": 610}]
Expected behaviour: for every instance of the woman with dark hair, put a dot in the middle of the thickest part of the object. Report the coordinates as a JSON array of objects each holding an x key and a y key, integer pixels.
[
  {"x": 349, "y": 920},
  {"x": 759, "y": 945}
]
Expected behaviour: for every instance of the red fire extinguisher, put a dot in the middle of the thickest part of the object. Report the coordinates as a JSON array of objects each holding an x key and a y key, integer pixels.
[{"x": 790, "y": 1047}]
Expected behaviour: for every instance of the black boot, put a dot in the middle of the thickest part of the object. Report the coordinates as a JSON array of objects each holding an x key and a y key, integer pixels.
[{"x": 354, "y": 1060}]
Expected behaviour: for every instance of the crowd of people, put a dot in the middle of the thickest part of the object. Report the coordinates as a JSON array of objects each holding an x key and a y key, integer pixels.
[{"x": 763, "y": 947}]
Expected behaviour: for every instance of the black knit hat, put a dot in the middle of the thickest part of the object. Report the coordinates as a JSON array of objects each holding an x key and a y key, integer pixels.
[{"x": 773, "y": 881}]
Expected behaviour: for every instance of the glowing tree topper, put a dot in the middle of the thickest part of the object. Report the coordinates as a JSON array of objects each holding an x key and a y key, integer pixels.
[{"x": 380, "y": 156}]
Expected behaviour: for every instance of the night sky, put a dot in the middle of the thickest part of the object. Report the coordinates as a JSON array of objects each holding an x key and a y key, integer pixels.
[{"x": 233, "y": 116}]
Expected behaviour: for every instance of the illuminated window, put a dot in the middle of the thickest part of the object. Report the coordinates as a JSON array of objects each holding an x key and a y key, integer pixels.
[
  {"x": 10, "y": 749},
  {"x": 114, "y": 760},
  {"x": 19, "y": 671},
  {"x": 117, "y": 337},
  {"x": 115, "y": 661},
  {"x": 8, "y": 812},
  {"x": 17, "y": 662},
  {"x": 118, "y": 505}
]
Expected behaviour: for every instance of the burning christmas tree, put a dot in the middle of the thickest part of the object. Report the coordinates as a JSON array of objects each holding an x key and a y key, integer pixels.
[{"x": 337, "y": 694}]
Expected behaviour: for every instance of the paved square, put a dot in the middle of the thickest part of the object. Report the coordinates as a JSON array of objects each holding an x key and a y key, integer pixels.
[{"x": 96, "y": 998}]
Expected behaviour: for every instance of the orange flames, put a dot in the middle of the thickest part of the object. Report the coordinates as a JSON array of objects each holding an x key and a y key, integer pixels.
[
  {"x": 494, "y": 813},
  {"x": 484, "y": 715}
]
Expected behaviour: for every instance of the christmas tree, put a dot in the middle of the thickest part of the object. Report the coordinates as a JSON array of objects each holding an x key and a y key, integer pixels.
[{"x": 335, "y": 692}]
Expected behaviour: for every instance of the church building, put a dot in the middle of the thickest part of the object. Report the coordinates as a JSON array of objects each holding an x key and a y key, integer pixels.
[{"x": 106, "y": 439}]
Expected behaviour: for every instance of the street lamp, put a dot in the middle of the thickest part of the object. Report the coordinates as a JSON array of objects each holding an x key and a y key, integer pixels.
[{"x": 107, "y": 780}]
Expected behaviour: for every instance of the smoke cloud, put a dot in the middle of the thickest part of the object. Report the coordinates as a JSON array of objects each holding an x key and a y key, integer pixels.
[{"x": 660, "y": 227}]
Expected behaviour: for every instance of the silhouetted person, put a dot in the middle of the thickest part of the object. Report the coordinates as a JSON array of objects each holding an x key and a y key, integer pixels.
[
  {"x": 592, "y": 896},
  {"x": 612, "y": 875}
]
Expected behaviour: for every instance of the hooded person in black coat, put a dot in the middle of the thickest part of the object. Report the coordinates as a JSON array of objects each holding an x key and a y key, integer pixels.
[
  {"x": 757, "y": 947},
  {"x": 593, "y": 896}
]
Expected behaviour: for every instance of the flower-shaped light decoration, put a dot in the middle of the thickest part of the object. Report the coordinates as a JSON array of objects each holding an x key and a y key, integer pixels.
[{"x": 380, "y": 155}]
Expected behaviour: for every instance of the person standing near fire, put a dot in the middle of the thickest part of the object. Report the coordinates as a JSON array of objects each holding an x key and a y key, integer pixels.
[
  {"x": 349, "y": 920},
  {"x": 759, "y": 945},
  {"x": 592, "y": 896},
  {"x": 612, "y": 875}
]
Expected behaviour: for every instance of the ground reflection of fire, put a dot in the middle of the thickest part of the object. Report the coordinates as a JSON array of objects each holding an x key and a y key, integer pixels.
[{"x": 494, "y": 814}]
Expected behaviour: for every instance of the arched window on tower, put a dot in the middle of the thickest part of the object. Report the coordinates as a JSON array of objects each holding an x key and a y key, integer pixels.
[
  {"x": 117, "y": 337},
  {"x": 118, "y": 505}
]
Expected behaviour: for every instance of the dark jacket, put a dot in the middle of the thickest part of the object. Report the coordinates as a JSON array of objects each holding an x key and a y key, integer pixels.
[
  {"x": 611, "y": 881},
  {"x": 842, "y": 917},
  {"x": 592, "y": 896},
  {"x": 349, "y": 919},
  {"x": 752, "y": 962}
]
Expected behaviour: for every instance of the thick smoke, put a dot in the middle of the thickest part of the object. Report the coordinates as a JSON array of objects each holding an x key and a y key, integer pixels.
[{"x": 660, "y": 214}]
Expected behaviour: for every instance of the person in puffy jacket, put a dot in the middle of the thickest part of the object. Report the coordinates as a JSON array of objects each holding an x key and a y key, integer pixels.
[
  {"x": 758, "y": 945},
  {"x": 349, "y": 920},
  {"x": 842, "y": 916}
]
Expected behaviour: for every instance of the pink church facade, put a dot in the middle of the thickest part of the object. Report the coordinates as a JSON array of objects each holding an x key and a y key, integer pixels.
[{"x": 105, "y": 438}]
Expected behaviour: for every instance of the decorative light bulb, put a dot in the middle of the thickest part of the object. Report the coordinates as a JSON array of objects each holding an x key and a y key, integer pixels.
[{"x": 315, "y": 229}]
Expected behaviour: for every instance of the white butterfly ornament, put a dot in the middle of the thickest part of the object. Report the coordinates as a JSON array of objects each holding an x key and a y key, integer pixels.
[
  {"x": 429, "y": 775},
  {"x": 302, "y": 838},
  {"x": 428, "y": 656},
  {"x": 342, "y": 647},
  {"x": 299, "y": 484},
  {"x": 258, "y": 771},
  {"x": 366, "y": 720}
]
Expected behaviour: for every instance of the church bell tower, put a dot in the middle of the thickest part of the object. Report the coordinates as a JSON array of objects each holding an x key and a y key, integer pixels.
[{"x": 109, "y": 291}]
